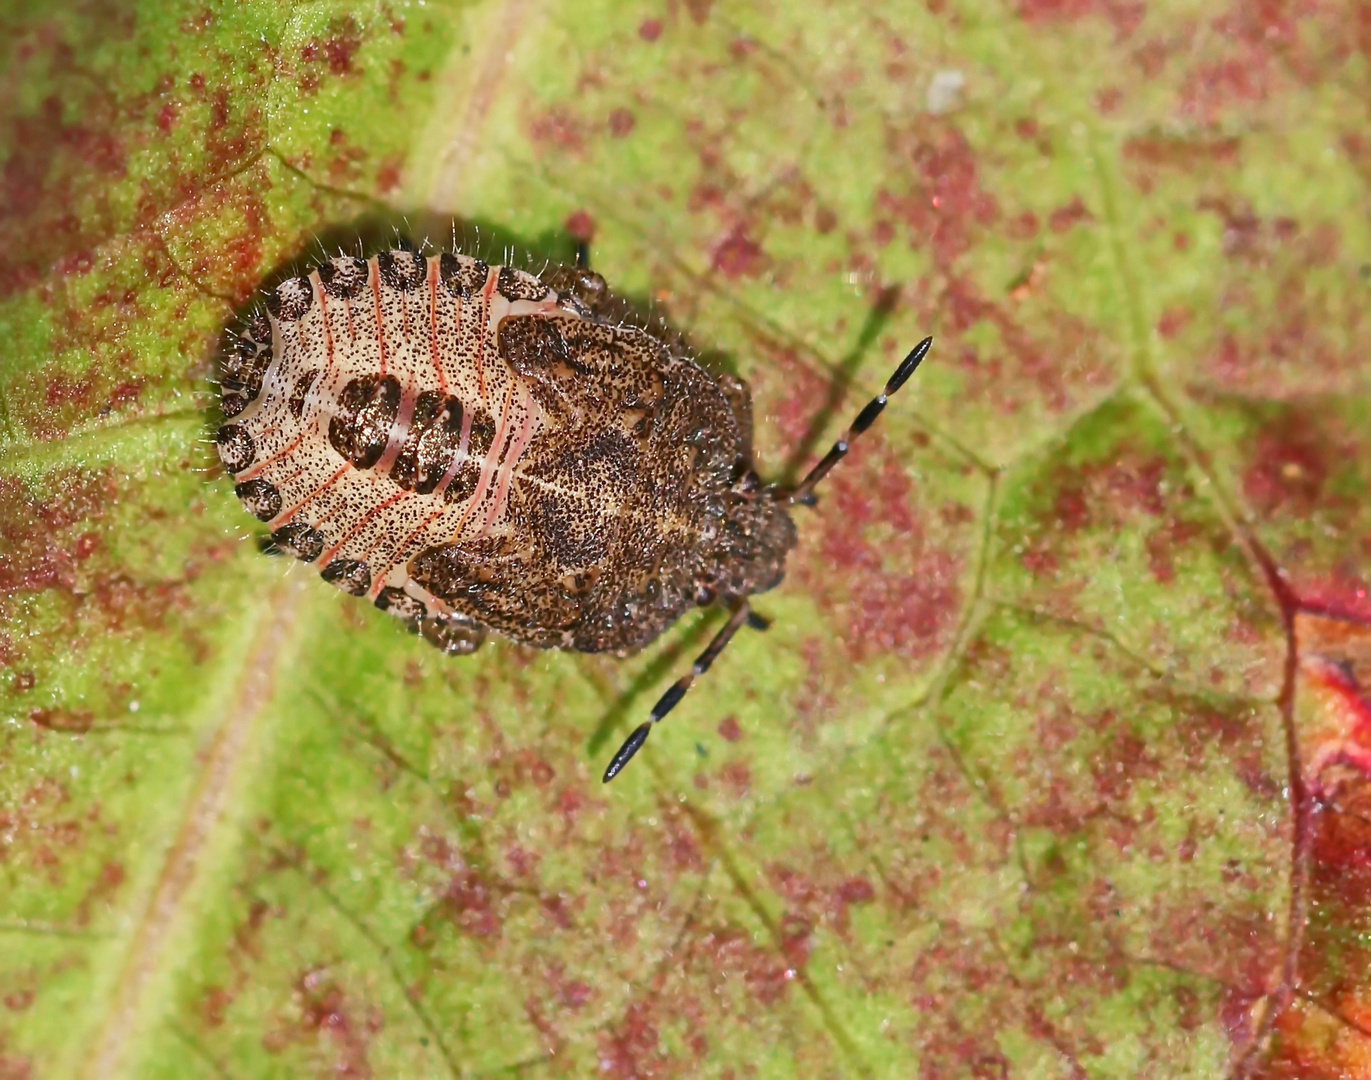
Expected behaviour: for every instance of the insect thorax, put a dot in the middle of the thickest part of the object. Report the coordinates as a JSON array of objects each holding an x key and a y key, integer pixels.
[{"x": 471, "y": 446}]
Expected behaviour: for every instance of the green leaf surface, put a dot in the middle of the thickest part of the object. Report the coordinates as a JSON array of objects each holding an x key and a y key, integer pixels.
[{"x": 1052, "y": 763}]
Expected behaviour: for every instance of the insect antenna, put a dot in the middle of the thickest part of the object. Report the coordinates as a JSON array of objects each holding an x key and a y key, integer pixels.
[
  {"x": 742, "y": 614},
  {"x": 804, "y": 492}
]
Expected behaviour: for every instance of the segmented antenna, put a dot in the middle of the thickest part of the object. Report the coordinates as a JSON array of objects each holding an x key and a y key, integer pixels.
[
  {"x": 804, "y": 493},
  {"x": 742, "y": 614}
]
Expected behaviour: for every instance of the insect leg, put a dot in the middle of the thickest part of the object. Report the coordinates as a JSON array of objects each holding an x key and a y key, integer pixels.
[
  {"x": 804, "y": 493},
  {"x": 742, "y": 615}
]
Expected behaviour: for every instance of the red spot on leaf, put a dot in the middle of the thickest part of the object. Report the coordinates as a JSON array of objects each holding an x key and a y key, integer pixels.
[
  {"x": 101, "y": 891},
  {"x": 1162, "y": 544},
  {"x": 1024, "y": 226},
  {"x": 737, "y": 778},
  {"x": 558, "y": 127},
  {"x": 390, "y": 175},
  {"x": 580, "y": 225},
  {"x": 569, "y": 804},
  {"x": 741, "y": 48},
  {"x": 576, "y": 994},
  {"x": 1189, "y": 152},
  {"x": 1069, "y": 216},
  {"x": 903, "y": 600},
  {"x": 1124, "y": 15},
  {"x": 1108, "y": 100},
  {"x": 60, "y": 719},
  {"x": 336, "y": 51},
  {"x": 1289, "y": 465},
  {"x": 38, "y": 552},
  {"x": 699, "y": 9},
  {"x": 325, "y": 1015},
  {"x": 738, "y": 255},
  {"x": 946, "y": 207},
  {"x": 1172, "y": 321},
  {"x": 627, "y": 1050},
  {"x": 17, "y": 1001},
  {"x": 472, "y": 903}
]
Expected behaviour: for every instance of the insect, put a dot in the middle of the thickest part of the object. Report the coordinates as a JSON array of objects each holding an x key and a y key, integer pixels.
[{"x": 474, "y": 448}]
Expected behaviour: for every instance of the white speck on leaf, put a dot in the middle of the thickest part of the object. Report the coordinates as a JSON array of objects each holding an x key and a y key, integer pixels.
[{"x": 944, "y": 92}]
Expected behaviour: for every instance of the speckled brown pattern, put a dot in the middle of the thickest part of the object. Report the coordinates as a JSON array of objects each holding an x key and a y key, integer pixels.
[{"x": 475, "y": 448}]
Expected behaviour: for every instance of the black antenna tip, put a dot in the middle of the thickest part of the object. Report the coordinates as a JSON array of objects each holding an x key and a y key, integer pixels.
[
  {"x": 631, "y": 746},
  {"x": 908, "y": 365}
]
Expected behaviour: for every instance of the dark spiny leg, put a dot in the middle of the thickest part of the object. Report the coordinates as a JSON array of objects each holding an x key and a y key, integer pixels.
[
  {"x": 742, "y": 614},
  {"x": 582, "y": 255},
  {"x": 804, "y": 493}
]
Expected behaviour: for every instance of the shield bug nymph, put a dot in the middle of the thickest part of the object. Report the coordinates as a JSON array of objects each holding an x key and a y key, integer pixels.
[{"x": 474, "y": 448}]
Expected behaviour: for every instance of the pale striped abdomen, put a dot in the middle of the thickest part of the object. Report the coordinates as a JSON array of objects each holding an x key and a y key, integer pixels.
[{"x": 383, "y": 420}]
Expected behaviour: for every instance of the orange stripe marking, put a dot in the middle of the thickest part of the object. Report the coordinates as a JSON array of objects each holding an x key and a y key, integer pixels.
[
  {"x": 491, "y": 278},
  {"x": 328, "y": 555},
  {"x": 284, "y": 518},
  {"x": 505, "y": 470},
  {"x": 379, "y": 582},
  {"x": 256, "y": 470},
  {"x": 486, "y": 468}
]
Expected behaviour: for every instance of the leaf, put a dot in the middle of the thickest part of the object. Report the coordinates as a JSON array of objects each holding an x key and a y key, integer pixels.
[{"x": 1054, "y": 760}]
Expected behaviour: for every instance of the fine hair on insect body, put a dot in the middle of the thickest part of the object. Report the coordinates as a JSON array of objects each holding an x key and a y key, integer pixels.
[{"x": 474, "y": 448}]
